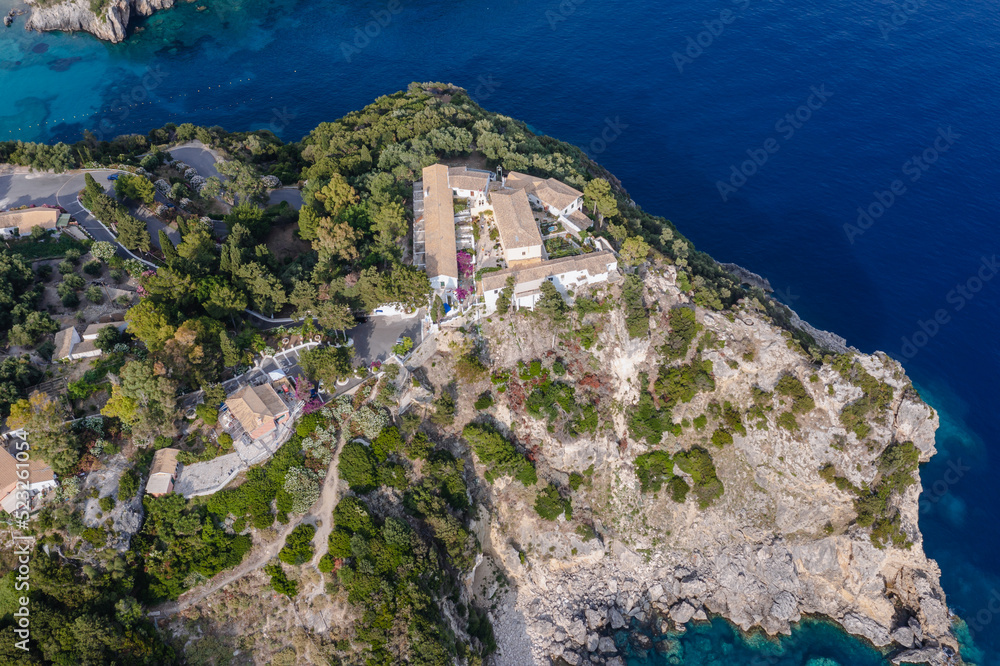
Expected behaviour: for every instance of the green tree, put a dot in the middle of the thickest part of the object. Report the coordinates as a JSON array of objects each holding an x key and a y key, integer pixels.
[
  {"x": 243, "y": 183},
  {"x": 152, "y": 323},
  {"x": 551, "y": 303},
  {"x": 43, "y": 418},
  {"x": 144, "y": 400},
  {"x": 166, "y": 245},
  {"x": 336, "y": 196},
  {"x": 136, "y": 188},
  {"x": 634, "y": 251},
  {"x": 250, "y": 216},
  {"x": 231, "y": 355},
  {"x": 132, "y": 234},
  {"x": 597, "y": 193}
]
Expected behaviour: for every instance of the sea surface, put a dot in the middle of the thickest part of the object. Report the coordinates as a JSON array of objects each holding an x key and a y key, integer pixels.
[{"x": 672, "y": 97}]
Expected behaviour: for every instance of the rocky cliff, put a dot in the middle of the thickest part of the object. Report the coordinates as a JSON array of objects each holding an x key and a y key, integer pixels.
[
  {"x": 781, "y": 543},
  {"x": 110, "y": 22}
]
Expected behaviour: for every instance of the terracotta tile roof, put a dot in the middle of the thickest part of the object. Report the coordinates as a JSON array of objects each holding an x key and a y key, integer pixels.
[
  {"x": 594, "y": 263},
  {"x": 463, "y": 178},
  {"x": 164, "y": 462},
  {"x": 64, "y": 343},
  {"x": 514, "y": 219},
  {"x": 255, "y": 406},
  {"x": 38, "y": 472},
  {"x": 439, "y": 223},
  {"x": 549, "y": 191},
  {"x": 27, "y": 218}
]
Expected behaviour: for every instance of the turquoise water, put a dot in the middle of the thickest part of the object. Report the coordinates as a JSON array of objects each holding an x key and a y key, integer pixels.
[
  {"x": 812, "y": 643},
  {"x": 604, "y": 76}
]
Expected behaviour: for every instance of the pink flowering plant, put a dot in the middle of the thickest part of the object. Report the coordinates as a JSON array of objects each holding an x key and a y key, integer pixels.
[{"x": 465, "y": 267}]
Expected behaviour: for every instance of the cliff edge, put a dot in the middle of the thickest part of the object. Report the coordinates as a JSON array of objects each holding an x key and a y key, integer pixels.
[
  {"x": 110, "y": 22},
  {"x": 785, "y": 540}
]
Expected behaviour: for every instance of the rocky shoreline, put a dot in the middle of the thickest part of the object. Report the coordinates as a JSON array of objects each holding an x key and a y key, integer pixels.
[
  {"x": 780, "y": 546},
  {"x": 76, "y": 15}
]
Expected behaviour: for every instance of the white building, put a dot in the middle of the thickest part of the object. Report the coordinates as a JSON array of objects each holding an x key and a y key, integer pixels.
[
  {"x": 40, "y": 477},
  {"x": 565, "y": 274},
  {"x": 440, "y": 260},
  {"x": 471, "y": 184},
  {"x": 70, "y": 345},
  {"x": 519, "y": 235},
  {"x": 555, "y": 196}
]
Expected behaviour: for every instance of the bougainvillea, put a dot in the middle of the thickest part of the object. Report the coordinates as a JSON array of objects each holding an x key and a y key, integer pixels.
[{"x": 465, "y": 266}]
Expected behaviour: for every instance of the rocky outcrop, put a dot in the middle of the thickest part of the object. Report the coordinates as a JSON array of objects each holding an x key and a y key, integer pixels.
[
  {"x": 111, "y": 23},
  {"x": 780, "y": 544}
]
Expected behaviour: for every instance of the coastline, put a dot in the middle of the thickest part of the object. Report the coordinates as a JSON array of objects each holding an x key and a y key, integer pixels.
[{"x": 76, "y": 15}]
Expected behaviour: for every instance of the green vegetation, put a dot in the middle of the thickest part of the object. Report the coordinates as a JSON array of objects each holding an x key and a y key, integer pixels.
[
  {"x": 181, "y": 544},
  {"x": 549, "y": 504},
  {"x": 359, "y": 467},
  {"x": 791, "y": 387},
  {"x": 896, "y": 465},
  {"x": 636, "y": 315},
  {"x": 683, "y": 328},
  {"x": 280, "y": 582},
  {"x": 877, "y": 396},
  {"x": 498, "y": 455},
  {"x": 681, "y": 383},
  {"x": 298, "y": 547},
  {"x": 484, "y": 401},
  {"x": 656, "y": 469},
  {"x": 698, "y": 463}
]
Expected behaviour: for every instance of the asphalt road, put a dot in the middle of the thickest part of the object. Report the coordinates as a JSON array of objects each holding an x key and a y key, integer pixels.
[
  {"x": 60, "y": 189},
  {"x": 197, "y": 155},
  {"x": 373, "y": 340},
  {"x": 292, "y": 195}
]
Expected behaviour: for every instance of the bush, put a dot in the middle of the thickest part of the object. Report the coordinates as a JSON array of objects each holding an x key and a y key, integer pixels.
[
  {"x": 683, "y": 328},
  {"x": 128, "y": 486},
  {"x": 298, "y": 548},
  {"x": 484, "y": 401},
  {"x": 636, "y": 316},
  {"x": 358, "y": 467},
  {"x": 721, "y": 437},
  {"x": 107, "y": 504},
  {"x": 698, "y": 463},
  {"x": 280, "y": 582},
  {"x": 788, "y": 421},
  {"x": 499, "y": 455},
  {"x": 225, "y": 441},
  {"x": 549, "y": 504},
  {"x": 92, "y": 267},
  {"x": 419, "y": 447},
  {"x": 387, "y": 443},
  {"x": 790, "y": 386},
  {"x": 95, "y": 294},
  {"x": 653, "y": 469}
]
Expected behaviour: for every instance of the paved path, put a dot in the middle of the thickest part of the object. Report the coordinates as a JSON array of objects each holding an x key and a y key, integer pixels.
[{"x": 261, "y": 555}]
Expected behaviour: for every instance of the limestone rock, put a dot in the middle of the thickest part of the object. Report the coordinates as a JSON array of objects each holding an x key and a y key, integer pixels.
[
  {"x": 903, "y": 636},
  {"x": 606, "y": 645},
  {"x": 73, "y": 15},
  {"x": 682, "y": 612}
]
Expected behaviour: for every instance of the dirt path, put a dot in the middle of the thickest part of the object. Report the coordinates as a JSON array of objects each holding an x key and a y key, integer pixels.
[
  {"x": 324, "y": 507},
  {"x": 261, "y": 555}
]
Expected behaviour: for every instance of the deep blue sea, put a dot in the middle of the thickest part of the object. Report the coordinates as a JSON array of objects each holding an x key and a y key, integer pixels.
[{"x": 834, "y": 108}]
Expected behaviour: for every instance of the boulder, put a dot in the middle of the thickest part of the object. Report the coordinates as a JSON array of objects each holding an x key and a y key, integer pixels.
[
  {"x": 595, "y": 619},
  {"x": 681, "y": 612},
  {"x": 617, "y": 620},
  {"x": 606, "y": 645},
  {"x": 903, "y": 636}
]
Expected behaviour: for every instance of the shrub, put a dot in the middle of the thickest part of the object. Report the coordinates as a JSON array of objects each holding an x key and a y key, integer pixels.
[
  {"x": 128, "y": 486},
  {"x": 549, "y": 504},
  {"x": 788, "y": 421},
  {"x": 682, "y": 383},
  {"x": 498, "y": 455},
  {"x": 92, "y": 267},
  {"x": 225, "y": 441},
  {"x": 207, "y": 413},
  {"x": 721, "y": 437},
  {"x": 791, "y": 387},
  {"x": 698, "y": 463},
  {"x": 280, "y": 582},
  {"x": 683, "y": 328},
  {"x": 419, "y": 446},
  {"x": 653, "y": 469},
  {"x": 107, "y": 504},
  {"x": 358, "y": 467},
  {"x": 700, "y": 422},
  {"x": 298, "y": 548},
  {"x": 94, "y": 294},
  {"x": 636, "y": 316},
  {"x": 484, "y": 401},
  {"x": 387, "y": 443}
]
